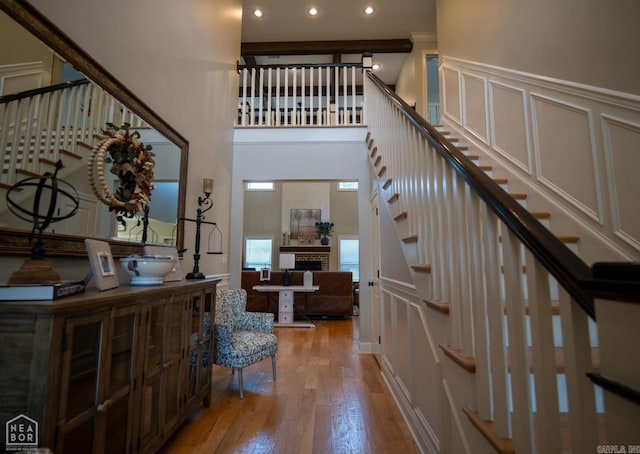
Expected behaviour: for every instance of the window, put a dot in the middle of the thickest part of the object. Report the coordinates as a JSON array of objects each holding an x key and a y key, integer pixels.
[
  {"x": 260, "y": 186},
  {"x": 349, "y": 256},
  {"x": 347, "y": 186},
  {"x": 258, "y": 252}
]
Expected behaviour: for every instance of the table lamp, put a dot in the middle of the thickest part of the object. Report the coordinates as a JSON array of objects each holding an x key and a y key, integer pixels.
[{"x": 287, "y": 261}]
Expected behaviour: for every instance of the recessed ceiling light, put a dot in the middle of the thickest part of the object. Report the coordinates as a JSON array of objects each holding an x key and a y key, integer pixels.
[
  {"x": 313, "y": 11},
  {"x": 368, "y": 10},
  {"x": 257, "y": 12},
  {"x": 376, "y": 66}
]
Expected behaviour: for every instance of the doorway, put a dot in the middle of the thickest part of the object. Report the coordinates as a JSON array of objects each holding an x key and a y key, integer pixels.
[{"x": 433, "y": 90}]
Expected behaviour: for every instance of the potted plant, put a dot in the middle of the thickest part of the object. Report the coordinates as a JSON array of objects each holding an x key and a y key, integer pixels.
[{"x": 325, "y": 229}]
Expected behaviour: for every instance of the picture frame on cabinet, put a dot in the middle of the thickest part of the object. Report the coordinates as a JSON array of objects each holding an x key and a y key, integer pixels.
[{"x": 102, "y": 266}]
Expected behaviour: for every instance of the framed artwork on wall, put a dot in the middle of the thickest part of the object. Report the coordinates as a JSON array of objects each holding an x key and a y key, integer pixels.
[
  {"x": 303, "y": 224},
  {"x": 102, "y": 266}
]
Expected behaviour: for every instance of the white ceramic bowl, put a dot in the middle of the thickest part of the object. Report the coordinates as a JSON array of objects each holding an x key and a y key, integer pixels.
[{"x": 148, "y": 269}]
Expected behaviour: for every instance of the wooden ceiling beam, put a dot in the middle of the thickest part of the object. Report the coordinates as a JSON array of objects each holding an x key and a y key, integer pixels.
[
  {"x": 385, "y": 46},
  {"x": 250, "y": 60}
]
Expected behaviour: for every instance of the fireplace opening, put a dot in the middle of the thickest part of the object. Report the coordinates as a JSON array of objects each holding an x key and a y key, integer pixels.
[{"x": 309, "y": 265}]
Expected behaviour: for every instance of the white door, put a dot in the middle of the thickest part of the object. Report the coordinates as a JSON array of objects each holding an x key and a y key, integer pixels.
[{"x": 374, "y": 287}]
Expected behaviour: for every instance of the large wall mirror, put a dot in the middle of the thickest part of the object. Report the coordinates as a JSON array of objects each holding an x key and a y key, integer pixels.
[{"x": 35, "y": 54}]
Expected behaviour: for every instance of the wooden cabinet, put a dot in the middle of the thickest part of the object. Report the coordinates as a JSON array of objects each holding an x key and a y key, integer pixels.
[
  {"x": 162, "y": 366},
  {"x": 110, "y": 372},
  {"x": 97, "y": 380},
  {"x": 200, "y": 335}
]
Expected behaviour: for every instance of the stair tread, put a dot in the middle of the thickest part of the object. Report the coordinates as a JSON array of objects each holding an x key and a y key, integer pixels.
[
  {"x": 501, "y": 445},
  {"x": 438, "y": 306},
  {"x": 393, "y": 198},
  {"x": 71, "y": 154},
  {"x": 401, "y": 217},
  {"x": 468, "y": 363},
  {"x": 410, "y": 239},
  {"x": 421, "y": 268},
  {"x": 506, "y": 445}
]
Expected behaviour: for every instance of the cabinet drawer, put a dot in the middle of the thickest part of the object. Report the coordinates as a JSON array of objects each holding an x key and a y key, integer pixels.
[
  {"x": 285, "y": 306},
  {"x": 285, "y": 295},
  {"x": 285, "y": 317}
]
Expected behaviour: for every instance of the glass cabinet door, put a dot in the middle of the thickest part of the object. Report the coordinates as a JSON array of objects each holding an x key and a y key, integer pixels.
[
  {"x": 117, "y": 433},
  {"x": 173, "y": 359},
  {"x": 163, "y": 356},
  {"x": 153, "y": 366},
  {"x": 200, "y": 335},
  {"x": 193, "y": 333},
  {"x": 207, "y": 340},
  {"x": 79, "y": 384},
  {"x": 97, "y": 383}
]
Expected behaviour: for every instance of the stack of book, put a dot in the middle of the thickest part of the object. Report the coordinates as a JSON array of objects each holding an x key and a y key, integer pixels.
[{"x": 40, "y": 292}]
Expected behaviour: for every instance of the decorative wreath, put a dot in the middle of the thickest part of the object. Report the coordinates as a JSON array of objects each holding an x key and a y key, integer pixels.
[{"x": 131, "y": 161}]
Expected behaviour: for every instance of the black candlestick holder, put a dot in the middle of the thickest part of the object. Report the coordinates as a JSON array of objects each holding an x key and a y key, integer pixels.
[{"x": 208, "y": 204}]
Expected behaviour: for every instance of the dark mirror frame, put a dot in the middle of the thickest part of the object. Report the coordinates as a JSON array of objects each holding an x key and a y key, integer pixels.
[{"x": 15, "y": 241}]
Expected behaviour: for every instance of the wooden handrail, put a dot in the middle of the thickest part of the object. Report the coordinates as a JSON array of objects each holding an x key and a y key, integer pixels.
[
  {"x": 618, "y": 281},
  {"x": 558, "y": 259},
  {"x": 622, "y": 390},
  {"x": 306, "y": 65},
  {"x": 42, "y": 90}
]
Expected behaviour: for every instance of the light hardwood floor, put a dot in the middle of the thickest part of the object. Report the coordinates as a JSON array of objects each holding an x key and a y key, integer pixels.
[{"x": 327, "y": 398}]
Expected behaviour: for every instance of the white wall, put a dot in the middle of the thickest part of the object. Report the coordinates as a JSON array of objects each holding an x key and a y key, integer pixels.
[
  {"x": 180, "y": 59},
  {"x": 412, "y": 79},
  {"x": 302, "y": 154},
  {"x": 585, "y": 41}
]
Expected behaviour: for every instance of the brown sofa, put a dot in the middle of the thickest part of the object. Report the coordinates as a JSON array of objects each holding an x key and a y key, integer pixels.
[{"x": 334, "y": 298}]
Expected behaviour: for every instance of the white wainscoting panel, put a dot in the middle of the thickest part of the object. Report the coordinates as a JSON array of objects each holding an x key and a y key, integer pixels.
[
  {"x": 403, "y": 336},
  {"x": 451, "y": 86},
  {"x": 410, "y": 365},
  {"x": 475, "y": 115},
  {"x": 574, "y": 145},
  {"x": 24, "y": 76},
  {"x": 510, "y": 124},
  {"x": 622, "y": 154},
  {"x": 426, "y": 388},
  {"x": 566, "y": 152}
]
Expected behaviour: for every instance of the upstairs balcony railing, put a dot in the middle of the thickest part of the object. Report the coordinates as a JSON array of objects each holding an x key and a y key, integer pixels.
[{"x": 300, "y": 95}]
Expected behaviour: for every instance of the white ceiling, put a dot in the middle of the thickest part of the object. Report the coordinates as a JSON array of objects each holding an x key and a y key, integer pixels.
[{"x": 337, "y": 20}]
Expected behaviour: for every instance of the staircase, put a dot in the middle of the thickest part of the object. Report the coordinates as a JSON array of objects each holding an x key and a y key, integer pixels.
[
  {"x": 506, "y": 307},
  {"x": 41, "y": 126}
]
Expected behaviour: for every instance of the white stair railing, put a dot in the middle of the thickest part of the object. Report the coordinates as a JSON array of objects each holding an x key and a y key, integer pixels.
[
  {"x": 300, "y": 95},
  {"x": 501, "y": 273},
  {"x": 39, "y": 126}
]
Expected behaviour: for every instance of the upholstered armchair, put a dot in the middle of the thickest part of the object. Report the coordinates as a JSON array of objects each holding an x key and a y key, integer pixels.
[{"x": 242, "y": 338}]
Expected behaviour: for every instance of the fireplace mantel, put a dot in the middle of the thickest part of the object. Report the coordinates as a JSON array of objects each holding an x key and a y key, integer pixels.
[{"x": 306, "y": 248}]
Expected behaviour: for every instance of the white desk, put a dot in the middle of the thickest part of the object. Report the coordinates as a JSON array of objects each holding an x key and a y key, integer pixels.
[{"x": 285, "y": 302}]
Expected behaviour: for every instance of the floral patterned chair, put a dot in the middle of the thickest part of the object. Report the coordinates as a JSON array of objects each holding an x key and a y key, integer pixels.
[{"x": 242, "y": 338}]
